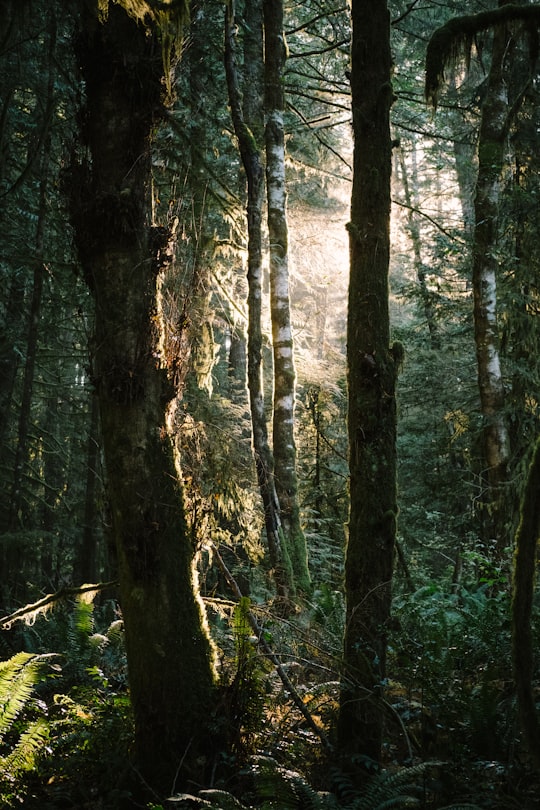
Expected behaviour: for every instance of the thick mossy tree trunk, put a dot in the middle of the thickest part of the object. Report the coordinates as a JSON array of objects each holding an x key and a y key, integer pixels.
[
  {"x": 170, "y": 657},
  {"x": 371, "y": 377},
  {"x": 248, "y": 127},
  {"x": 282, "y": 339}
]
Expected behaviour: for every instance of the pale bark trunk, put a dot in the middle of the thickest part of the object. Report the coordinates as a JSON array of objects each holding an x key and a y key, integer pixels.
[
  {"x": 491, "y": 149},
  {"x": 248, "y": 128},
  {"x": 371, "y": 377},
  {"x": 169, "y": 654},
  {"x": 416, "y": 241},
  {"x": 284, "y": 372}
]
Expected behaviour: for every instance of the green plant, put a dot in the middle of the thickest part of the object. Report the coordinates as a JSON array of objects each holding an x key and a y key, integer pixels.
[
  {"x": 21, "y": 737},
  {"x": 277, "y": 788},
  {"x": 451, "y": 658}
]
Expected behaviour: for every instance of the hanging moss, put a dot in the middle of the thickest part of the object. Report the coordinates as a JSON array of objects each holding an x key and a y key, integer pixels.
[
  {"x": 453, "y": 41},
  {"x": 169, "y": 17}
]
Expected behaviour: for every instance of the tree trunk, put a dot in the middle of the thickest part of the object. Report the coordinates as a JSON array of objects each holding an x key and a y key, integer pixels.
[
  {"x": 248, "y": 128},
  {"x": 414, "y": 232},
  {"x": 124, "y": 258},
  {"x": 87, "y": 563},
  {"x": 284, "y": 373},
  {"x": 371, "y": 376},
  {"x": 491, "y": 150},
  {"x": 527, "y": 537}
]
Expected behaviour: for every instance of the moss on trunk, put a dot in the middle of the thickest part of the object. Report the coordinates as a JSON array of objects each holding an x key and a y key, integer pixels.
[{"x": 170, "y": 657}]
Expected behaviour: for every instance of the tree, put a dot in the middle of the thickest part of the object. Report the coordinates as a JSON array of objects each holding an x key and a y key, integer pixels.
[
  {"x": 450, "y": 41},
  {"x": 124, "y": 258},
  {"x": 44, "y": 392},
  {"x": 284, "y": 445},
  {"x": 371, "y": 378},
  {"x": 248, "y": 126},
  {"x": 526, "y": 542}
]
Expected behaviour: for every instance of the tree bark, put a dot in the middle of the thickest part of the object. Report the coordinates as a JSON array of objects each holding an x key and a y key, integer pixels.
[
  {"x": 524, "y": 575},
  {"x": 491, "y": 151},
  {"x": 124, "y": 258},
  {"x": 248, "y": 126},
  {"x": 371, "y": 376},
  {"x": 282, "y": 340}
]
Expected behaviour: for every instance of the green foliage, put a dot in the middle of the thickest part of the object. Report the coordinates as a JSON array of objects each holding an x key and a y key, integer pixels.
[
  {"x": 22, "y": 737},
  {"x": 82, "y": 731},
  {"x": 90, "y": 736},
  {"x": 276, "y": 788},
  {"x": 247, "y": 690},
  {"x": 451, "y": 655}
]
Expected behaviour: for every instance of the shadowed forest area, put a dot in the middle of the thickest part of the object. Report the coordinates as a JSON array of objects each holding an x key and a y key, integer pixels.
[{"x": 269, "y": 404}]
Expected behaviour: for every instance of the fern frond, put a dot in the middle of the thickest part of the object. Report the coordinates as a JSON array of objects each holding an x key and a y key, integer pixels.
[
  {"x": 84, "y": 617},
  {"x": 461, "y": 807},
  {"x": 221, "y": 800},
  {"x": 283, "y": 789},
  {"x": 387, "y": 791},
  {"x": 18, "y": 676},
  {"x": 23, "y": 755}
]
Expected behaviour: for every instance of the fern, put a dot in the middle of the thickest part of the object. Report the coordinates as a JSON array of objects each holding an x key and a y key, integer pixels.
[
  {"x": 387, "y": 791},
  {"x": 461, "y": 807},
  {"x": 22, "y": 756},
  {"x": 18, "y": 677},
  {"x": 282, "y": 789}
]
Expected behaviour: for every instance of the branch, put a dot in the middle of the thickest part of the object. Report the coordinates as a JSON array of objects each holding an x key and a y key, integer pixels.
[
  {"x": 406, "y": 13},
  {"x": 430, "y": 219},
  {"x": 49, "y": 601},
  {"x": 318, "y": 137}
]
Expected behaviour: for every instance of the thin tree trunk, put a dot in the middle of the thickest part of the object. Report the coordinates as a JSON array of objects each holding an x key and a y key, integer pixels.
[
  {"x": 372, "y": 410},
  {"x": 491, "y": 150},
  {"x": 416, "y": 240},
  {"x": 21, "y": 453},
  {"x": 248, "y": 128},
  {"x": 169, "y": 653},
  {"x": 9, "y": 356},
  {"x": 284, "y": 373},
  {"x": 87, "y": 554}
]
